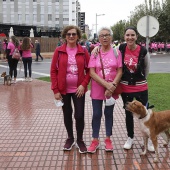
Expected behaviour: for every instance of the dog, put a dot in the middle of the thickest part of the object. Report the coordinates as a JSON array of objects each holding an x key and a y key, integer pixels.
[
  {"x": 7, "y": 79},
  {"x": 151, "y": 124}
]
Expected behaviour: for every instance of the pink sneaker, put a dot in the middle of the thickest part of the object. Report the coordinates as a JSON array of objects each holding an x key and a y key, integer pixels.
[
  {"x": 92, "y": 148},
  {"x": 108, "y": 145}
]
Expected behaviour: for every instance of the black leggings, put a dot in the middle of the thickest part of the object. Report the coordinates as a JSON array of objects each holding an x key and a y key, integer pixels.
[
  {"x": 12, "y": 66},
  {"x": 128, "y": 97},
  {"x": 78, "y": 114},
  {"x": 27, "y": 62}
]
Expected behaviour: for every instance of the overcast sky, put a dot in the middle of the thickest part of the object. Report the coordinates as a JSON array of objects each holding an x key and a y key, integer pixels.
[{"x": 114, "y": 11}]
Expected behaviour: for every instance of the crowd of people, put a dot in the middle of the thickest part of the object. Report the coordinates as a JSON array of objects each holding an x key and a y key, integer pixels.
[
  {"x": 24, "y": 47},
  {"x": 74, "y": 65}
]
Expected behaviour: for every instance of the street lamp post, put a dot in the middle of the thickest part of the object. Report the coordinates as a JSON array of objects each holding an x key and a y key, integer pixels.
[{"x": 96, "y": 20}]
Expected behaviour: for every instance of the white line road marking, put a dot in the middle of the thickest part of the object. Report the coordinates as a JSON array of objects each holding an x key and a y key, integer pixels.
[{"x": 33, "y": 72}]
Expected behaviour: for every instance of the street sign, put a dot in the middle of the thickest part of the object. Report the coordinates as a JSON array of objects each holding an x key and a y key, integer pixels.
[{"x": 148, "y": 26}]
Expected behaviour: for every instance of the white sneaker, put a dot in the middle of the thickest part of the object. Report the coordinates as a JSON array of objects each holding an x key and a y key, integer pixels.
[
  {"x": 128, "y": 143},
  {"x": 26, "y": 79},
  {"x": 150, "y": 146},
  {"x": 30, "y": 79}
]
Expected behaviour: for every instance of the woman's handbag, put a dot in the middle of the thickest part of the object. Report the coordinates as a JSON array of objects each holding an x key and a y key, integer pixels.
[
  {"x": 16, "y": 54},
  {"x": 118, "y": 89}
]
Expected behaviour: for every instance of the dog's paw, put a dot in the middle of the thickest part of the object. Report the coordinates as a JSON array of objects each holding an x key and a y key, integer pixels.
[
  {"x": 143, "y": 153},
  {"x": 155, "y": 160}
]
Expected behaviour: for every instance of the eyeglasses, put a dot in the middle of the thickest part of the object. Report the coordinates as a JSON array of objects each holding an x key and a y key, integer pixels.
[
  {"x": 106, "y": 36},
  {"x": 71, "y": 34}
]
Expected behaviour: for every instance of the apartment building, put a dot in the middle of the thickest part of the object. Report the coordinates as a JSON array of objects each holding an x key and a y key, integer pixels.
[{"x": 40, "y": 13}]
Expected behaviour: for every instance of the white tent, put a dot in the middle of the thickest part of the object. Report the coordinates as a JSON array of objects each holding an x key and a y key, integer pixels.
[
  {"x": 31, "y": 33},
  {"x": 11, "y": 32}
]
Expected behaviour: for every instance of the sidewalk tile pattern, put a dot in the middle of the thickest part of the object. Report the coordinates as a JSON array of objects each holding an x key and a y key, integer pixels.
[{"x": 32, "y": 135}]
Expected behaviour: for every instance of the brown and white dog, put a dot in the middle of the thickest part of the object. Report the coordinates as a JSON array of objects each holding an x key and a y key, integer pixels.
[
  {"x": 7, "y": 79},
  {"x": 151, "y": 124}
]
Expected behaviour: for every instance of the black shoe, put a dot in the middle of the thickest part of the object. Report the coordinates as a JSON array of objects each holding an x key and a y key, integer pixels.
[
  {"x": 69, "y": 143},
  {"x": 82, "y": 146},
  {"x": 42, "y": 59},
  {"x": 36, "y": 60}
]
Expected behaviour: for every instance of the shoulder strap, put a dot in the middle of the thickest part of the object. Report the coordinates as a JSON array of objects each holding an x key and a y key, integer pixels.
[{"x": 115, "y": 52}]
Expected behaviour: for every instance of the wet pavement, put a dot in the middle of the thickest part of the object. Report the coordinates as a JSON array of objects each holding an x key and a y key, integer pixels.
[{"x": 32, "y": 135}]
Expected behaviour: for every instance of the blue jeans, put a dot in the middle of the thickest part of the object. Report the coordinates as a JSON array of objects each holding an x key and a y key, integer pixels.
[{"x": 97, "y": 114}]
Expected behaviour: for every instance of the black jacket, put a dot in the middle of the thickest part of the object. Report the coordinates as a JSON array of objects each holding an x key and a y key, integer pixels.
[{"x": 139, "y": 75}]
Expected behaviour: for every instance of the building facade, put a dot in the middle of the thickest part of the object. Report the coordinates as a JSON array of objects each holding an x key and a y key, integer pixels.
[{"x": 41, "y": 13}]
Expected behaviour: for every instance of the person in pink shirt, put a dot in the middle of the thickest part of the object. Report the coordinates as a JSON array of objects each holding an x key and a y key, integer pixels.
[
  {"x": 12, "y": 45},
  {"x": 27, "y": 57},
  {"x": 136, "y": 63},
  {"x": 69, "y": 79},
  {"x": 106, "y": 72}
]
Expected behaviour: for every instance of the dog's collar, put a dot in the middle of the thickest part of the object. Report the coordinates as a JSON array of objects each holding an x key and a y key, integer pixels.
[{"x": 145, "y": 115}]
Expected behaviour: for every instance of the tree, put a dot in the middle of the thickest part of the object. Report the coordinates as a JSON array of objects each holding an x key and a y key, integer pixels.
[
  {"x": 84, "y": 36},
  {"x": 118, "y": 30},
  {"x": 149, "y": 7}
]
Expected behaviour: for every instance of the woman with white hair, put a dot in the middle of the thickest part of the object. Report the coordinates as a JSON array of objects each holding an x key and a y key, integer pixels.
[{"x": 106, "y": 72}]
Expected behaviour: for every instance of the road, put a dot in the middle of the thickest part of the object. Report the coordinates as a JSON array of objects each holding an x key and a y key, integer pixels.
[{"x": 159, "y": 64}]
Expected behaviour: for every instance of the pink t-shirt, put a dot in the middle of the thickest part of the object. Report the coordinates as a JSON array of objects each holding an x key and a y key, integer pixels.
[
  {"x": 27, "y": 53},
  {"x": 131, "y": 61},
  {"x": 11, "y": 46},
  {"x": 110, "y": 64},
  {"x": 72, "y": 71}
]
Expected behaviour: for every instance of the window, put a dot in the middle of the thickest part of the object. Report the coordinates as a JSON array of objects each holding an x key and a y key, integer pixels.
[
  {"x": 49, "y": 9},
  {"x": 12, "y": 0},
  {"x": 34, "y": 9},
  {"x": 56, "y": 19},
  {"x": 42, "y": 9},
  {"x": 49, "y": 17},
  {"x": 4, "y": 0},
  {"x": 19, "y": 17},
  {"x": 65, "y": 19},
  {"x": 56, "y": 0},
  {"x": 42, "y": 18},
  {"x": 34, "y": 17},
  {"x": 34, "y": 0},
  {"x": 26, "y": 17}
]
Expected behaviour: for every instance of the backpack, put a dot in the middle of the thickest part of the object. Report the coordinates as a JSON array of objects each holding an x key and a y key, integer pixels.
[{"x": 16, "y": 54}]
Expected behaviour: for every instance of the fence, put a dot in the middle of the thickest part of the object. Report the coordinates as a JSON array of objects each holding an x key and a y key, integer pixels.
[{"x": 47, "y": 44}]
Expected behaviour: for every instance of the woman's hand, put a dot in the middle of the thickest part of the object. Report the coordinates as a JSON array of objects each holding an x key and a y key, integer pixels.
[
  {"x": 110, "y": 87},
  {"x": 95, "y": 51},
  {"x": 80, "y": 91},
  {"x": 58, "y": 96},
  {"x": 108, "y": 93}
]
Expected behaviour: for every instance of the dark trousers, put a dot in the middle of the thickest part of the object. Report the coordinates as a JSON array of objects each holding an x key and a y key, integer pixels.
[
  {"x": 128, "y": 97},
  {"x": 12, "y": 66},
  {"x": 38, "y": 54},
  {"x": 78, "y": 114},
  {"x": 27, "y": 64}
]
